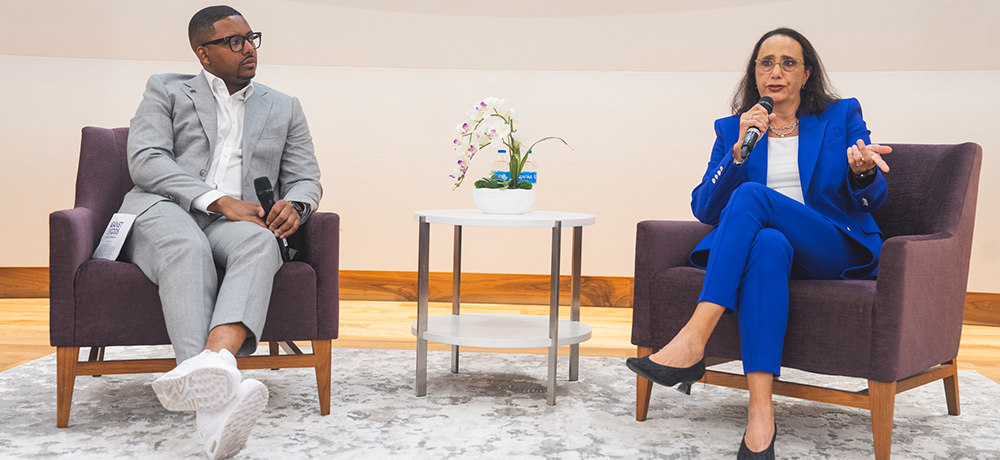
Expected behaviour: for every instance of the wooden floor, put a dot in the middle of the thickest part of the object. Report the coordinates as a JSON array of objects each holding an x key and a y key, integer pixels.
[{"x": 24, "y": 331}]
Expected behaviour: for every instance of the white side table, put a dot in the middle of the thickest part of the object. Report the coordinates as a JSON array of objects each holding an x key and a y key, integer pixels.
[{"x": 500, "y": 331}]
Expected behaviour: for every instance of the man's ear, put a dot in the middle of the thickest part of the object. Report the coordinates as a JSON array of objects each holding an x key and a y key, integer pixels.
[{"x": 202, "y": 54}]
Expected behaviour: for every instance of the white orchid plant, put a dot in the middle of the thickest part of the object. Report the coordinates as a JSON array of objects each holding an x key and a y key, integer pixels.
[{"x": 489, "y": 124}]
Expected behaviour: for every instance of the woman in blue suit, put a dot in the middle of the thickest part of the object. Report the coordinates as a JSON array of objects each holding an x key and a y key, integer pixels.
[{"x": 798, "y": 207}]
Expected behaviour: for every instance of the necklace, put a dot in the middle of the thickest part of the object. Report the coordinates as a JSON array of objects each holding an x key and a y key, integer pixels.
[{"x": 790, "y": 128}]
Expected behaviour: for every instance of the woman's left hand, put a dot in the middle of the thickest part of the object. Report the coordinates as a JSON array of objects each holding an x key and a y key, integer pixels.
[{"x": 863, "y": 157}]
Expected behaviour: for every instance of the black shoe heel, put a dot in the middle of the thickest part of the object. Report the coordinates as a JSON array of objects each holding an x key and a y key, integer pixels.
[
  {"x": 685, "y": 387},
  {"x": 666, "y": 375}
]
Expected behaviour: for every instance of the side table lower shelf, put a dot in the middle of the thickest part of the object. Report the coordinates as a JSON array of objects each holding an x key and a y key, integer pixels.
[{"x": 501, "y": 331}]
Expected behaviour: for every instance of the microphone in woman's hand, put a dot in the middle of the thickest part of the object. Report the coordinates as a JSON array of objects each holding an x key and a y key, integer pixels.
[{"x": 752, "y": 132}]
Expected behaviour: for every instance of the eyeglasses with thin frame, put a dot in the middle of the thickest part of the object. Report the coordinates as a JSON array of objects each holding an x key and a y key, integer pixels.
[
  {"x": 237, "y": 42},
  {"x": 788, "y": 64}
]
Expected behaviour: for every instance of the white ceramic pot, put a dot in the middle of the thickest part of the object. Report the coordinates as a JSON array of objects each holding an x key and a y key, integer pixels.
[{"x": 503, "y": 201}]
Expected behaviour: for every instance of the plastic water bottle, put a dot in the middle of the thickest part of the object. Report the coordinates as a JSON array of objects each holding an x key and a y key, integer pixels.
[
  {"x": 529, "y": 173},
  {"x": 501, "y": 165}
]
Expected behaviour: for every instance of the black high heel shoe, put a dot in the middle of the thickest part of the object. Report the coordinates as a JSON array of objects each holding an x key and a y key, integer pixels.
[
  {"x": 747, "y": 454},
  {"x": 666, "y": 375}
]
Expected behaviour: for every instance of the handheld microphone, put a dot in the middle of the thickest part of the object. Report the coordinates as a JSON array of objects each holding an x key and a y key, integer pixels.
[
  {"x": 265, "y": 194},
  {"x": 752, "y": 132}
]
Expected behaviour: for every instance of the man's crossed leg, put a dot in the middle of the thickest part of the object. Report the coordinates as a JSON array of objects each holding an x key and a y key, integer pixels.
[{"x": 179, "y": 251}]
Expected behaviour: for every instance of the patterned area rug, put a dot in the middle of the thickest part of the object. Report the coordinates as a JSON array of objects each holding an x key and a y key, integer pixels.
[{"x": 494, "y": 409}]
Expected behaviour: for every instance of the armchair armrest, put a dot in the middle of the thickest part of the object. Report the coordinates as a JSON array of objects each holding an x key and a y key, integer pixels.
[
  {"x": 72, "y": 240},
  {"x": 919, "y": 304},
  {"x": 318, "y": 242},
  {"x": 659, "y": 245}
]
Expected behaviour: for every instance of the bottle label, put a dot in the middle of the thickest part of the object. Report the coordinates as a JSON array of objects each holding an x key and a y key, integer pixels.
[{"x": 524, "y": 177}]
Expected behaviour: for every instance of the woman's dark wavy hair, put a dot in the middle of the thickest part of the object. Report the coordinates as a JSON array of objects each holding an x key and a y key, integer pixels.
[{"x": 816, "y": 95}]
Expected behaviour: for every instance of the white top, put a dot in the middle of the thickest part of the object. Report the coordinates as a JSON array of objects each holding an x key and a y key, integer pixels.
[
  {"x": 226, "y": 171},
  {"x": 783, "y": 167},
  {"x": 477, "y": 218}
]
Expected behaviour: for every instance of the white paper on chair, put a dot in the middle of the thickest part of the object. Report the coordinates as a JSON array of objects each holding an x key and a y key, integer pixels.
[{"x": 114, "y": 236}]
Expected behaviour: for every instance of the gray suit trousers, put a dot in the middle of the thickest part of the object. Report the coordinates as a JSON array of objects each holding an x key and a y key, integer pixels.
[{"x": 179, "y": 251}]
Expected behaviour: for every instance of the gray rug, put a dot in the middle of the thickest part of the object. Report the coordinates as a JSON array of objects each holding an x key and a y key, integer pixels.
[{"x": 494, "y": 409}]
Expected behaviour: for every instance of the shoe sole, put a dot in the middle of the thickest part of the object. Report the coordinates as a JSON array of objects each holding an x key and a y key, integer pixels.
[
  {"x": 682, "y": 386},
  {"x": 208, "y": 389},
  {"x": 237, "y": 428}
]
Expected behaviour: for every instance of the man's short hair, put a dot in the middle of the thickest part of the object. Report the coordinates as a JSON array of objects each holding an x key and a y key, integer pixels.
[{"x": 203, "y": 22}]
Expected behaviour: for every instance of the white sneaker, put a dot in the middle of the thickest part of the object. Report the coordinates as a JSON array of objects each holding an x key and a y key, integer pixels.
[
  {"x": 204, "y": 382},
  {"x": 224, "y": 433}
]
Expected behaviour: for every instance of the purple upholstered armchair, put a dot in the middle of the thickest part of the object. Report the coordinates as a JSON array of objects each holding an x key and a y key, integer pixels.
[
  {"x": 898, "y": 332},
  {"x": 98, "y": 303}
]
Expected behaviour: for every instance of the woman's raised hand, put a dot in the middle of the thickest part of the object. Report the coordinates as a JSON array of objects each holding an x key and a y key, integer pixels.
[
  {"x": 756, "y": 116},
  {"x": 863, "y": 157}
]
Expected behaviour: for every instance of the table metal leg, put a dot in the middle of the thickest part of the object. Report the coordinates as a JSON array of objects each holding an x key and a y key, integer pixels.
[
  {"x": 574, "y": 350},
  {"x": 554, "y": 312},
  {"x": 456, "y": 289},
  {"x": 423, "y": 269}
]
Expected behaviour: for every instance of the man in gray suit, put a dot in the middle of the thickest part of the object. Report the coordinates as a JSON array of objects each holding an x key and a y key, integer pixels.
[{"x": 195, "y": 146}]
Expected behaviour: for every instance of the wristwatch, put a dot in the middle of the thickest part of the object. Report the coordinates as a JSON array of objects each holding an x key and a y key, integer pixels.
[
  {"x": 299, "y": 207},
  {"x": 863, "y": 175}
]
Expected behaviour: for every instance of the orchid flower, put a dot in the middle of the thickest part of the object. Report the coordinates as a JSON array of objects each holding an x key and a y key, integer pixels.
[
  {"x": 496, "y": 132},
  {"x": 464, "y": 128}
]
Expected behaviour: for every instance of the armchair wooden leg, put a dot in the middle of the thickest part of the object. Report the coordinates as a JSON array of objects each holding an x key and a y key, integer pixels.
[
  {"x": 644, "y": 389},
  {"x": 883, "y": 403},
  {"x": 951, "y": 389},
  {"x": 321, "y": 349},
  {"x": 65, "y": 378}
]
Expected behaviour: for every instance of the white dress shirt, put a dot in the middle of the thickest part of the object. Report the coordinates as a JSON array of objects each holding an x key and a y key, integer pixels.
[
  {"x": 783, "y": 167},
  {"x": 226, "y": 171}
]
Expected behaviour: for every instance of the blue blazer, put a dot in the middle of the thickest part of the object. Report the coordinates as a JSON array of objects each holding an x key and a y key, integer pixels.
[{"x": 823, "y": 170}]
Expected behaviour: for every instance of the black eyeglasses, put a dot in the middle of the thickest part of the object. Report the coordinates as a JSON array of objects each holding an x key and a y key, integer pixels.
[{"x": 236, "y": 42}]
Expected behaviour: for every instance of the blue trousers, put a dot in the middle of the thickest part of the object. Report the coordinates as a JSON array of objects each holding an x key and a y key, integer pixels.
[{"x": 763, "y": 239}]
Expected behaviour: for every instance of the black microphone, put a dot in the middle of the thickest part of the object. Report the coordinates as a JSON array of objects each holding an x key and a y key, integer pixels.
[
  {"x": 265, "y": 194},
  {"x": 752, "y": 132}
]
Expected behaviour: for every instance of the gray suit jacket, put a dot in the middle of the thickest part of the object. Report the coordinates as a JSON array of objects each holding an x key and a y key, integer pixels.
[{"x": 173, "y": 134}]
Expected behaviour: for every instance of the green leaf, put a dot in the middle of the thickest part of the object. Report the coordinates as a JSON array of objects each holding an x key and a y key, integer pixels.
[{"x": 547, "y": 138}]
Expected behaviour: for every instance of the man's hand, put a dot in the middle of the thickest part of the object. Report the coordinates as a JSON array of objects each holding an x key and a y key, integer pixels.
[
  {"x": 237, "y": 210},
  {"x": 283, "y": 219}
]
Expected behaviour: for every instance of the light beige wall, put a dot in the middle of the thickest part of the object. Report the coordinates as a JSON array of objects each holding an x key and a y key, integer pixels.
[{"x": 633, "y": 88}]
